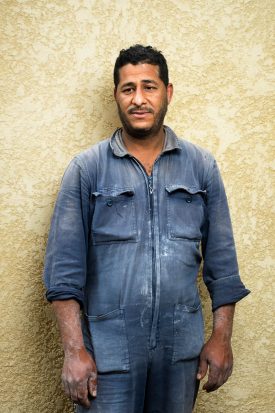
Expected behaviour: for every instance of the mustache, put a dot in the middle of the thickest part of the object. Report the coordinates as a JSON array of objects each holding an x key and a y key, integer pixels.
[{"x": 133, "y": 109}]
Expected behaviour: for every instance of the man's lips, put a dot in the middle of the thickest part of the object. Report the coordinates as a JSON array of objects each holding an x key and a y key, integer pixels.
[
  {"x": 139, "y": 111},
  {"x": 140, "y": 115}
]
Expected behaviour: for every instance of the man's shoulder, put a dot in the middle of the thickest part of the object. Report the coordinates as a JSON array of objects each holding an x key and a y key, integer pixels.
[
  {"x": 90, "y": 157},
  {"x": 188, "y": 148},
  {"x": 93, "y": 151},
  {"x": 193, "y": 148},
  {"x": 195, "y": 153},
  {"x": 86, "y": 162}
]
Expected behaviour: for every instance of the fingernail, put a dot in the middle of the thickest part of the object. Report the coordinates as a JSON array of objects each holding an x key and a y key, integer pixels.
[
  {"x": 198, "y": 376},
  {"x": 94, "y": 393}
]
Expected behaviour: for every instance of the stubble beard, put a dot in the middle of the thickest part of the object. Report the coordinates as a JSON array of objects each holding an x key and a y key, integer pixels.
[{"x": 143, "y": 133}]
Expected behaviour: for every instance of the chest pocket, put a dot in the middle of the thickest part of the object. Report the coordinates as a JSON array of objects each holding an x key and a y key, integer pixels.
[
  {"x": 114, "y": 218},
  {"x": 185, "y": 210}
]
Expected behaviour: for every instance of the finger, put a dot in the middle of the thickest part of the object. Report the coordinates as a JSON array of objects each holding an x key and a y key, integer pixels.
[
  {"x": 227, "y": 374},
  {"x": 83, "y": 399},
  {"x": 202, "y": 370},
  {"x": 92, "y": 384},
  {"x": 73, "y": 392},
  {"x": 79, "y": 393},
  {"x": 66, "y": 388},
  {"x": 214, "y": 379},
  {"x": 210, "y": 386}
]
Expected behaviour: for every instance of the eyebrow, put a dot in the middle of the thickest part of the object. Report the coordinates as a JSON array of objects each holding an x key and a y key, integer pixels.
[{"x": 146, "y": 81}]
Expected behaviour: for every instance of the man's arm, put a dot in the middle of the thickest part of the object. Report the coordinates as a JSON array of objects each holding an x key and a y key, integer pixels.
[
  {"x": 79, "y": 370},
  {"x": 221, "y": 276},
  {"x": 217, "y": 352}
]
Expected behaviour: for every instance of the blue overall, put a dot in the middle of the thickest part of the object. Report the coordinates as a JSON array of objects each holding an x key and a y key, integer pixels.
[{"x": 128, "y": 248}]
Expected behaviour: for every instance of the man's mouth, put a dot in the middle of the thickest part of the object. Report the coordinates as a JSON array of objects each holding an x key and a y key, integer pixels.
[{"x": 140, "y": 113}]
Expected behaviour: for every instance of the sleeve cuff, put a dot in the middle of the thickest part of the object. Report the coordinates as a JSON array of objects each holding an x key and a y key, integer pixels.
[
  {"x": 226, "y": 290},
  {"x": 65, "y": 293}
]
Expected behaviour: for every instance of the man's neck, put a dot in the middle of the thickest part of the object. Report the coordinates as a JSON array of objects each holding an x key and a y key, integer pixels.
[
  {"x": 150, "y": 144},
  {"x": 146, "y": 150}
]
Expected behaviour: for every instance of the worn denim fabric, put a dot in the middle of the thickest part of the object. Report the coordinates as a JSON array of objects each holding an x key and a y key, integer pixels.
[
  {"x": 159, "y": 379},
  {"x": 128, "y": 247}
]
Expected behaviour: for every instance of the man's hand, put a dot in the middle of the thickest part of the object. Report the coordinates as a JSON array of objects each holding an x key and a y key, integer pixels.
[
  {"x": 79, "y": 376},
  {"x": 79, "y": 370},
  {"x": 217, "y": 352},
  {"x": 217, "y": 355}
]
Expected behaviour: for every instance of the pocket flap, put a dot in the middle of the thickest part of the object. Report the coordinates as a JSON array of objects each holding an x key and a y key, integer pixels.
[
  {"x": 189, "y": 189},
  {"x": 114, "y": 192}
]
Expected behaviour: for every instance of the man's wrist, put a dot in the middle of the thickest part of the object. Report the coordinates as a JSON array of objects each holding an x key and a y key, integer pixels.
[
  {"x": 223, "y": 323},
  {"x": 74, "y": 350},
  {"x": 221, "y": 335}
]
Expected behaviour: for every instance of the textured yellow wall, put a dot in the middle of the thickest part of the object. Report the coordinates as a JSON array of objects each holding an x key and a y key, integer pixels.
[{"x": 56, "y": 99}]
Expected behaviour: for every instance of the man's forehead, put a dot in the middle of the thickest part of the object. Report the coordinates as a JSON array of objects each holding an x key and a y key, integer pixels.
[{"x": 139, "y": 72}]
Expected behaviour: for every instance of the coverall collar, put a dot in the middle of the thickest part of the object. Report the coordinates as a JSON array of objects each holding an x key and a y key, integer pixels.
[{"x": 118, "y": 147}]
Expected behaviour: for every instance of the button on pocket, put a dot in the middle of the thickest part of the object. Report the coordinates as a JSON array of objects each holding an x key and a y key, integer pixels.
[
  {"x": 109, "y": 203},
  {"x": 109, "y": 341},
  {"x": 114, "y": 218},
  {"x": 185, "y": 212},
  {"x": 188, "y": 332}
]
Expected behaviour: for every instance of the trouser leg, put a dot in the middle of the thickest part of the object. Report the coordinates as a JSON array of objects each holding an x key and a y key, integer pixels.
[
  {"x": 171, "y": 388},
  {"x": 157, "y": 381},
  {"x": 118, "y": 393},
  {"x": 122, "y": 392},
  {"x": 168, "y": 388}
]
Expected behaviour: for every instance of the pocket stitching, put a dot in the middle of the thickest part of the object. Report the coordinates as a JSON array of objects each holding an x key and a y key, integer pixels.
[
  {"x": 122, "y": 361},
  {"x": 110, "y": 314},
  {"x": 178, "y": 333},
  {"x": 186, "y": 189},
  {"x": 115, "y": 194}
]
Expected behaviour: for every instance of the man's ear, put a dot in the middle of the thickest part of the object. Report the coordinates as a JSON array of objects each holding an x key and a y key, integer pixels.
[{"x": 169, "y": 91}]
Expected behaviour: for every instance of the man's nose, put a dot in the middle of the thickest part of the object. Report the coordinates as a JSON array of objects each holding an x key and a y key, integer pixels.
[{"x": 138, "y": 97}]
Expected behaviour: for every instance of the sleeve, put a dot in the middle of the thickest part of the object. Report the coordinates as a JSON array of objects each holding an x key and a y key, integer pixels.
[
  {"x": 66, "y": 253},
  {"x": 220, "y": 268}
]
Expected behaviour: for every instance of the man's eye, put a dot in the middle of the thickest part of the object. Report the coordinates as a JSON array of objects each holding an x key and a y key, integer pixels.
[
  {"x": 128, "y": 90},
  {"x": 150, "y": 87}
]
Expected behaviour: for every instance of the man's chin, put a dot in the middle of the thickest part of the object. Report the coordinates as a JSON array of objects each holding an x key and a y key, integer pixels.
[{"x": 139, "y": 132}]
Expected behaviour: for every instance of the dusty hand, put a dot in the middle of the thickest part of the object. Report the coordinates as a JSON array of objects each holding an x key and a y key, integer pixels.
[
  {"x": 79, "y": 377},
  {"x": 217, "y": 355}
]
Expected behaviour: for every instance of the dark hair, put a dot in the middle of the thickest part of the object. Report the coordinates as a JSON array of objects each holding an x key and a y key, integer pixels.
[{"x": 141, "y": 54}]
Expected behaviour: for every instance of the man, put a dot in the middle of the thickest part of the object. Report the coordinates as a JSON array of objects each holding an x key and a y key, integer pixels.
[{"x": 134, "y": 217}]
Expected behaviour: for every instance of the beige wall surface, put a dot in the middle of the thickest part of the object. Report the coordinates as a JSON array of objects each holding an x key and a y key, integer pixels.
[{"x": 56, "y": 63}]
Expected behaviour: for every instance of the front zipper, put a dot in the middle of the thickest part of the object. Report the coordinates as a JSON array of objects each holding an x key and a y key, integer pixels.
[
  {"x": 154, "y": 275},
  {"x": 154, "y": 280},
  {"x": 150, "y": 184}
]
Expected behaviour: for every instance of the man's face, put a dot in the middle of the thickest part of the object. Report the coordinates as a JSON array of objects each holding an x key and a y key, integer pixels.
[{"x": 142, "y": 99}]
